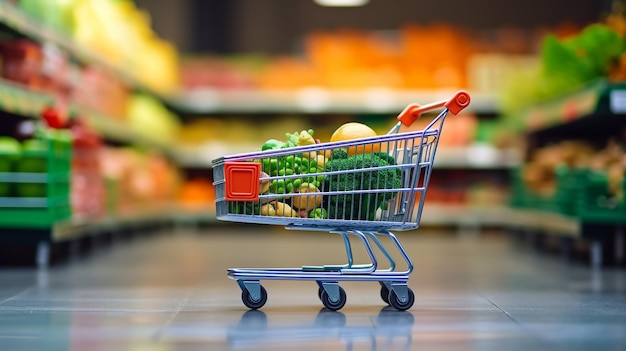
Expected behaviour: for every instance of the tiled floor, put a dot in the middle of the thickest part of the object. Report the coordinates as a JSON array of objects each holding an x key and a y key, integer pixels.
[{"x": 170, "y": 292}]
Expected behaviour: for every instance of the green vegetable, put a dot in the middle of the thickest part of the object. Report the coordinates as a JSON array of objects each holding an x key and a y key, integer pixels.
[
  {"x": 360, "y": 206},
  {"x": 245, "y": 208},
  {"x": 318, "y": 213},
  {"x": 272, "y": 144},
  {"x": 289, "y": 165}
]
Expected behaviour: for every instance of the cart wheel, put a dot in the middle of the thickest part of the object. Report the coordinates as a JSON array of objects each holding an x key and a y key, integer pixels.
[
  {"x": 399, "y": 305},
  {"x": 384, "y": 293},
  {"x": 319, "y": 293},
  {"x": 334, "y": 306},
  {"x": 250, "y": 303}
]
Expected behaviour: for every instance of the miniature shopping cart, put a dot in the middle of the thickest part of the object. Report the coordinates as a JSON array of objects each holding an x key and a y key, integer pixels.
[{"x": 361, "y": 188}]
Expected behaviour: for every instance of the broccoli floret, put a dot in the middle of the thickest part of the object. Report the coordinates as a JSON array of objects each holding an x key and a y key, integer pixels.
[
  {"x": 360, "y": 206},
  {"x": 336, "y": 154}
]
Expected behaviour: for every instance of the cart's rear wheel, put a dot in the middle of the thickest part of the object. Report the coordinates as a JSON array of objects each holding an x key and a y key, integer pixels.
[
  {"x": 251, "y": 303},
  {"x": 334, "y": 305},
  {"x": 384, "y": 293},
  {"x": 395, "y": 302},
  {"x": 319, "y": 293}
]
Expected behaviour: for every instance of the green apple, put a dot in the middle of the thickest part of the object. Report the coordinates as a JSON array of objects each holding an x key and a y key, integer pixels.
[
  {"x": 34, "y": 160},
  {"x": 10, "y": 151}
]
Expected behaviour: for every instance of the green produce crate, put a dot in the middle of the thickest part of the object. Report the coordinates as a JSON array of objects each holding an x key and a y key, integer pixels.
[
  {"x": 595, "y": 203},
  {"x": 560, "y": 202},
  {"x": 38, "y": 184}
]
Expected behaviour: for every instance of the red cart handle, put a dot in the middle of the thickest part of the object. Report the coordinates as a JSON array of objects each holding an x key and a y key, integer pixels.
[{"x": 455, "y": 104}]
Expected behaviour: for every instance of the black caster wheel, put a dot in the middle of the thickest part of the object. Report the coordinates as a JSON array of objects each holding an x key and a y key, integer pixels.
[
  {"x": 336, "y": 305},
  {"x": 319, "y": 293},
  {"x": 395, "y": 302},
  {"x": 250, "y": 303},
  {"x": 384, "y": 293}
]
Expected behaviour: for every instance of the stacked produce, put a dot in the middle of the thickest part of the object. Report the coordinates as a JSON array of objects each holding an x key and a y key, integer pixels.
[
  {"x": 137, "y": 181},
  {"x": 568, "y": 176},
  {"x": 315, "y": 184},
  {"x": 35, "y": 178},
  {"x": 116, "y": 30},
  {"x": 568, "y": 64}
]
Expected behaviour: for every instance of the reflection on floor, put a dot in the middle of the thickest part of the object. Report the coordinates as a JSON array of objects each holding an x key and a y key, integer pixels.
[{"x": 170, "y": 292}]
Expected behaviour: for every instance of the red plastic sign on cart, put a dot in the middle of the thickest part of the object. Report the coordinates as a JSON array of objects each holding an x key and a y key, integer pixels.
[{"x": 242, "y": 181}]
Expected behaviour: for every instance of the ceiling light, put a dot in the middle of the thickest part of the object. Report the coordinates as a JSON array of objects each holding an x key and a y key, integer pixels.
[{"x": 344, "y": 3}]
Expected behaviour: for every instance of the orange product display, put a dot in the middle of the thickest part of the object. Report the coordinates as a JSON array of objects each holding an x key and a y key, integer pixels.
[
  {"x": 421, "y": 57},
  {"x": 197, "y": 193}
]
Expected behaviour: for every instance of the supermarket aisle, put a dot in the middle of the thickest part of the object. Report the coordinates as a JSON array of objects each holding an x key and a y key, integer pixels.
[{"x": 170, "y": 292}]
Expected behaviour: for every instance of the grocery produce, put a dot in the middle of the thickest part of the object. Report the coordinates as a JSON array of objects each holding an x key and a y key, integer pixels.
[
  {"x": 52, "y": 117},
  {"x": 363, "y": 206},
  {"x": 306, "y": 202},
  {"x": 264, "y": 183},
  {"x": 304, "y": 137},
  {"x": 351, "y": 131},
  {"x": 568, "y": 64},
  {"x": 149, "y": 117},
  {"x": 277, "y": 208},
  {"x": 318, "y": 213},
  {"x": 33, "y": 160},
  {"x": 10, "y": 150}
]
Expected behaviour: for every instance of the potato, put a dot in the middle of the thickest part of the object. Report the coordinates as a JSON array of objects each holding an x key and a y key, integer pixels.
[{"x": 307, "y": 202}]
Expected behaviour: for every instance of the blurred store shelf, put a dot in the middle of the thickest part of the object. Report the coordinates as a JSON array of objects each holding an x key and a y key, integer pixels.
[
  {"x": 478, "y": 156},
  {"x": 18, "y": 99},
  {"x": 598, "y": 99},
  {"x": 319, "y": 100},
  {"x": 19, "y": 22}
]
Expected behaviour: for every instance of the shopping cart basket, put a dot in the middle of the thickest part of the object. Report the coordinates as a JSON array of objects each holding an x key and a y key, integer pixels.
[{"x": 361, "y": 188}]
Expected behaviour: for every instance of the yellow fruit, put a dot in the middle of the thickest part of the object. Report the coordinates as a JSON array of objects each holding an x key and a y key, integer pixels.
[{"x": 355, "y": 130}]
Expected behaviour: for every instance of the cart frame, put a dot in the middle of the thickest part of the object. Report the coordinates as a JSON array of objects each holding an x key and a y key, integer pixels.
[{"x": 399, "y": 207}]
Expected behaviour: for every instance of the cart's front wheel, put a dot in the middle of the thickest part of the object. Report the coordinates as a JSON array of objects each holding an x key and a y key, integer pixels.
[
  {"x": 334, "y": 305},
  {"x": 250, "y": 302},
  {"x": 395, "y": 302}
]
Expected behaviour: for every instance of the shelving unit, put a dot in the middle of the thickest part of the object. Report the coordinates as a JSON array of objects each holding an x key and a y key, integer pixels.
[
  {"x": 600, "y": 104},
  {"x": 595, "y": 114},
  {"x": 319, "y": 100},
  {"x": 25, "y": 102},
  {"x": 15, "y": 20}
]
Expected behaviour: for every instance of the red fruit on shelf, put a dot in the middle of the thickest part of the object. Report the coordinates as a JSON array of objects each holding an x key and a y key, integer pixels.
[{"x": 52, "y": 117}]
